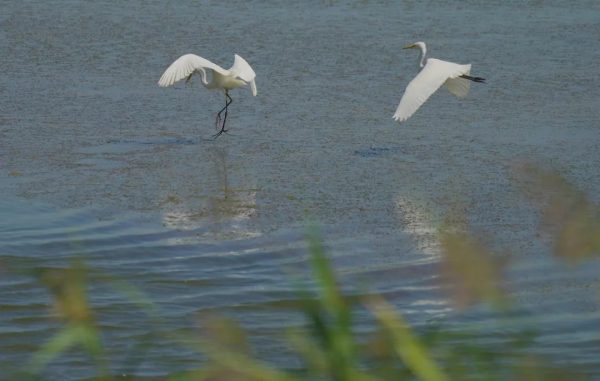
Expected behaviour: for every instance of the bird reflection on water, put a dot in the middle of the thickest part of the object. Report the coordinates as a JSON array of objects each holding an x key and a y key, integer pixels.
[{"x": 227, "y": 212}]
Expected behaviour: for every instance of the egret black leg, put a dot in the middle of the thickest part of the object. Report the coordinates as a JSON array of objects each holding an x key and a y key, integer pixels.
[
  {"x": 218, "y": 120},
  {"x": 474, "y": 79},
  {"x": 228, "y": 101}
]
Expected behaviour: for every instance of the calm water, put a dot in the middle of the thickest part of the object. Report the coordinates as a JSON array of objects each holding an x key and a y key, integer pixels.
[{"x": 97, "y": 161}]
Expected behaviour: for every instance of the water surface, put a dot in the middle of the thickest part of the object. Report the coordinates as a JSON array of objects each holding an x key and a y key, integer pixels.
[{"x": 97, "y": 161}]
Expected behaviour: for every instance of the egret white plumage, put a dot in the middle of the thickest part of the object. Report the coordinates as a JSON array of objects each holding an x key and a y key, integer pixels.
[
  {"x": 238, "y": 75},
  {"x": 434, "y": 73}
]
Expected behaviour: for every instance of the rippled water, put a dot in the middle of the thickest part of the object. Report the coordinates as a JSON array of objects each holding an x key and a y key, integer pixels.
[{"x": 97, "y": 160}]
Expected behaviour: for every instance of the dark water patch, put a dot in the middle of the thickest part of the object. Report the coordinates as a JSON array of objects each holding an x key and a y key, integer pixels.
[
  {"x": 103, "y": 164},
  {"x": 376, "y": 151},
  {"x": 152, "y": 141},
  {"x": 123, "y": 146}
]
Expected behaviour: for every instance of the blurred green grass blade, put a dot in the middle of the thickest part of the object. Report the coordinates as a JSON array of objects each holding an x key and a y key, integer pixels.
[
  {"x": 134, "y": 294},
  {"x": 313, "y": 356},
  {"x": 328, "y": 288},
  {"x": 569, "y": 216},
  {"x": 68, "y": 287},
  {"x": 330, "y": 315},
  {"x": 70, "y": 336},
  {"x": 61, "y": 342},
  {"x": 240, "y": 363},
  {"x": 408, "y": 348},
  {"x": 472, "y": 271}
]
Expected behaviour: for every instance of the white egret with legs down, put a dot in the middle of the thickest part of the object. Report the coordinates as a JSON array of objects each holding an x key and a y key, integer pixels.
[{"x": 240, "y": 74}]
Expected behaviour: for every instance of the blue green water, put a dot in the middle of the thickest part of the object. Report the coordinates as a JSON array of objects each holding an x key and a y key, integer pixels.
[{"x": 97, "y": 160}]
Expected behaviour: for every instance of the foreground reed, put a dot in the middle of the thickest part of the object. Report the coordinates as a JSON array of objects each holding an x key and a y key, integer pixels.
[{"x": 327, "y": 346}]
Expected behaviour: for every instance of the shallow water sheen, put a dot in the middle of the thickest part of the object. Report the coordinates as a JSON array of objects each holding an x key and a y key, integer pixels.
[
  {"x": 97, "y": 161},
  {"x": 188, "y": 272}
]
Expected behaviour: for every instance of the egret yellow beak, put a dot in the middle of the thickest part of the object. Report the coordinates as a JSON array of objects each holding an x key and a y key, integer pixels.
[{"x": 409, "y": 46}]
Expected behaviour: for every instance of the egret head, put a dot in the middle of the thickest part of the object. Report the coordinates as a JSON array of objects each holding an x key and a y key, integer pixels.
[{"x": 416, "y": 45}]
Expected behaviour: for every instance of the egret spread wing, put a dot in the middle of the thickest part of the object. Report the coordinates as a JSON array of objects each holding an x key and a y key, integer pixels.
[
  {"x": 459, "y": 86},
  {"x": 429, "y": 79},
  {"x": 186, "y": 65},
  {"x": 242, "y": 70}
]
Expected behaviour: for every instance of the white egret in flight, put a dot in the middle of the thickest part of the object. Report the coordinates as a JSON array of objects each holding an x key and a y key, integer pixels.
[
  {"x": 240, "y": 74},
  {"x": 434, "y": 73}
]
